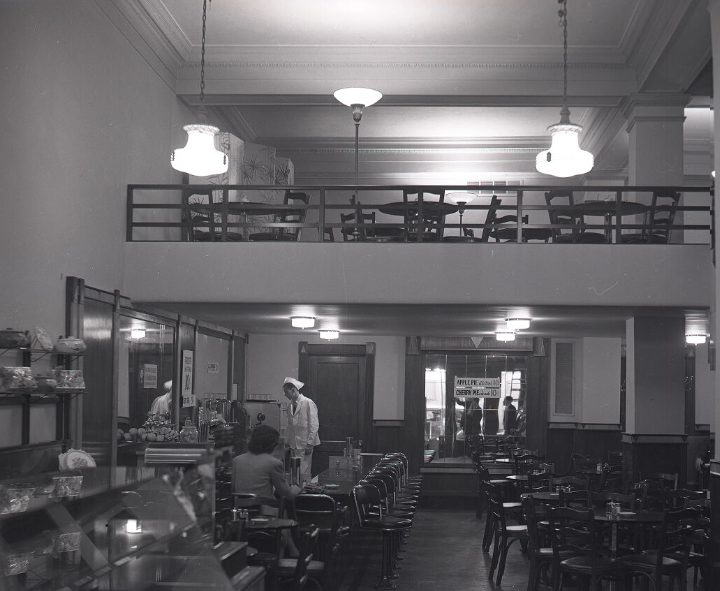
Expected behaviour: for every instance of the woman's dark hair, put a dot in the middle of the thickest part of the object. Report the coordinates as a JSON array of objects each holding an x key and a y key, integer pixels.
[{"x": 263, "y": 440}]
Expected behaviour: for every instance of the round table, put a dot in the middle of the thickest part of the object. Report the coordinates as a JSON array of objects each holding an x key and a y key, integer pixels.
[
  {"x": 411, "y": 207},
  {"x": 608, "y": 209},
  {"x": 626, "y": 517}
]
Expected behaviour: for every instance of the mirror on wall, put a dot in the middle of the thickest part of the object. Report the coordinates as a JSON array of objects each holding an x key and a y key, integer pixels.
[
  {"x": 492, "y": 413},
  {"x": 145, "y": 383}
]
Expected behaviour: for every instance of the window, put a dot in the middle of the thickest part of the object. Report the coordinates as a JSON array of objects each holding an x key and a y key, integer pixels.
[{"x": 452, "y": 421}]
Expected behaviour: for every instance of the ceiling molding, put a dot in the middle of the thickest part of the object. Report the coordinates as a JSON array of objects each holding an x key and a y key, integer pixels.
[
  {"x": 404, "y": 100},
  {"x": 140, "y": 31}
]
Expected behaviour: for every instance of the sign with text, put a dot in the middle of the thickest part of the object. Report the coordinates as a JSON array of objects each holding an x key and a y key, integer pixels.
[
  {"x": 150, "y": 375},
  {"x": 477, "y": 387},
  {"x": 213, "y": 367},
  {"x": 188, "y": 399}
]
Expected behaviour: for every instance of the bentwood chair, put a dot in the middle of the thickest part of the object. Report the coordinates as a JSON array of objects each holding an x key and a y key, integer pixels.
[
  {"x": 203, "y": 219},
  {"x": 291, "y": 574},
  {"x": 323, "y": 512},
  {"x": 572, "y": 230},
  {"x": 288, "y": 215},
  {"x": 658, "y": 220},
  {"x": 573, "y": 532},
  {"x": 505, "y": 534},
  {"x": 670, "y": 556},
  {"x": 430, "y": 228}
]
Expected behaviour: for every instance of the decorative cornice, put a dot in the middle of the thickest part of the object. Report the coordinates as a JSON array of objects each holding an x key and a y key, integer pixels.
[{"x": 195, "y": 64}]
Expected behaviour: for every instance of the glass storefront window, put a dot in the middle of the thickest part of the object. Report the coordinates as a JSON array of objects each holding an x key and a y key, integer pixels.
[{"x": 452, "y": 421}]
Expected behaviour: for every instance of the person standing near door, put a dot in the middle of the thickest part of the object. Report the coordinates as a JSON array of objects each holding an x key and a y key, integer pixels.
[{"x": 302, "y": 430}]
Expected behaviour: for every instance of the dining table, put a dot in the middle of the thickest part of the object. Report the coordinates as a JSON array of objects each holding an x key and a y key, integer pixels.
[
  {"x": 410, "y": 210},
  {"x": 608, "y": 210},
  {"x": 626, "y": 518},
  {"x": 243, "y": 209}
]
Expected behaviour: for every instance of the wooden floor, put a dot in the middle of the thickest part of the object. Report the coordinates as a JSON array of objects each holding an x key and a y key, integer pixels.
[{"x": 443, "y": 554}]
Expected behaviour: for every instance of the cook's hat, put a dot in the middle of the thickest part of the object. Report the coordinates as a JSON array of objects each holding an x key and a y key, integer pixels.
[{"x": 297, "y": 383}]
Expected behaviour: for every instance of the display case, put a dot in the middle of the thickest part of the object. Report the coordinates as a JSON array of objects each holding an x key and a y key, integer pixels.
[{"x": 123, "y": 528}]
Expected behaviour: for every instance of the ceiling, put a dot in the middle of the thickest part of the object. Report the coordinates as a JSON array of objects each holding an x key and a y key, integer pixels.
[
  {"x": 430, "y": 320},
  {"x": 469, "y": 89}
]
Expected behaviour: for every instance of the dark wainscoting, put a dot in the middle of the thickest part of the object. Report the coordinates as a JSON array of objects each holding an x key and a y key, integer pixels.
[
  {"x": 714, "y": 581},
  {"x": 647, "y": 453},
  {"x": 589, "y": 439}
]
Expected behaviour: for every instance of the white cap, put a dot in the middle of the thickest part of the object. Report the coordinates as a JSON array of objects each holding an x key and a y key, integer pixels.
[
  {"x": 298, "y": 384},
  {"x": 168, "y": 385}
]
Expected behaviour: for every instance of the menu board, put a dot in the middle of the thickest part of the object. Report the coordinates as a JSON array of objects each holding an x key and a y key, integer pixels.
[{"x": 477, "y": 387}]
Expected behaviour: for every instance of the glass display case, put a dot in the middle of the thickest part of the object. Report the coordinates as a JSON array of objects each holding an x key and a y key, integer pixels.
[{"x": 123, "y": 528}]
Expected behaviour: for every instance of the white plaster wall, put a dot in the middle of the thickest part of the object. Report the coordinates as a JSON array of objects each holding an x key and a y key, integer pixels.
[
  {"x": 83, "y": 114},
  {"x": 270, "y": 358},
  {"x": 601, "y": 380},
  {"x": 211, "y": 350}
]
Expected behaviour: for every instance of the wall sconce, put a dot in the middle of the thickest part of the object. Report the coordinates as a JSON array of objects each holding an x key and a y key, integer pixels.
[
  {"x": 517, "y": 323},
  {"x": 505, "y": 335},
  {"x": 695, "y": 338},
  {"x": 302, "y": 321},
  {"x": 329, "y": 335}
]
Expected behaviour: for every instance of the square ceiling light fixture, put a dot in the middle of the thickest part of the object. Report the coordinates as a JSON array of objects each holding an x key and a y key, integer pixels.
[
  {"x": 517, "y": 323},
  {"x": 505, "y": 335},
  {"x": 330, "y": 334},
  {"x": 302, "y": 321}
]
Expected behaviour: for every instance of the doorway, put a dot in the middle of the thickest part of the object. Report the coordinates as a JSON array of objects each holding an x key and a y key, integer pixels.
[{"x": 339, "y": 379}]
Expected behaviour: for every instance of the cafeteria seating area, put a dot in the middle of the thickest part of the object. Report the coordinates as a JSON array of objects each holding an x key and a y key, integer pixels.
[{"x": 528, "y": 530}]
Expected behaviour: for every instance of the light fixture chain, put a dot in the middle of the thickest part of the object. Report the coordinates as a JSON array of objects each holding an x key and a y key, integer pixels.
[
  {"x": 563, "y": 16},
  {"x": 202, "y": 52}
]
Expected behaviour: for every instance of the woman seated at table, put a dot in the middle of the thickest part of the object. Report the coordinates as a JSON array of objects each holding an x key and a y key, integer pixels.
[{"x": 260, "y": 473}]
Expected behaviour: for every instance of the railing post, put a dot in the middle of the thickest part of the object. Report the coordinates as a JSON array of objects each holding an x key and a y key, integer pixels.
[
  {"x": 321, "y": 217},
  {"x": 618, "y": 217},
  {"x": 130, "y": 208},
  {"x": 224, "y": 213},
  {"x": 519, "y": 212},
  {"x": 421, "y": 217}
]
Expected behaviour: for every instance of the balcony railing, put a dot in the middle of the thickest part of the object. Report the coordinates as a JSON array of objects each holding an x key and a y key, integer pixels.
[{"x": 240, "y": 213}]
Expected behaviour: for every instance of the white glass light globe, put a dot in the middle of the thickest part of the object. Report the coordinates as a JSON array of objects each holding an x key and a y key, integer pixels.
[
  {"x": 357, "y": 96},
  {"x": 199, "y": 157},
  {"x": 564, "y": 158}
]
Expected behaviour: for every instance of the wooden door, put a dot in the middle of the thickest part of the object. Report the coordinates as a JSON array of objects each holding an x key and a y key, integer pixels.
[
  {"x": 337, "y": 385},
  {"x": 339, "y": 379}
]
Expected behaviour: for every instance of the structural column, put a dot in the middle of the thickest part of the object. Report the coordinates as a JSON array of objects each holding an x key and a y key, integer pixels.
[
  {"x": 655, "y": 128},
  {"x": 654, "y": 438},
  {"x": 714, "y": 8}
]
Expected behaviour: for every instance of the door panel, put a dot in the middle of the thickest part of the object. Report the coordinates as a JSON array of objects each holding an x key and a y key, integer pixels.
[
  {"x": 336, "y": 384},
  {"x": 338, "y": 389}
]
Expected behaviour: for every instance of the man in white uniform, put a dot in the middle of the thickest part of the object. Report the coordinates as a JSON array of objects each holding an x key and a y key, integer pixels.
[
  {"x": 161, "y": 405},
  {"x": 302, "y": 430}
]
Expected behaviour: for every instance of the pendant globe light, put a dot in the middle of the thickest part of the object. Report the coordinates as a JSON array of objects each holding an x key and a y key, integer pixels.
[
  {"x": 564, "y": 158},
  {"x": 199, "y": 157}
]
